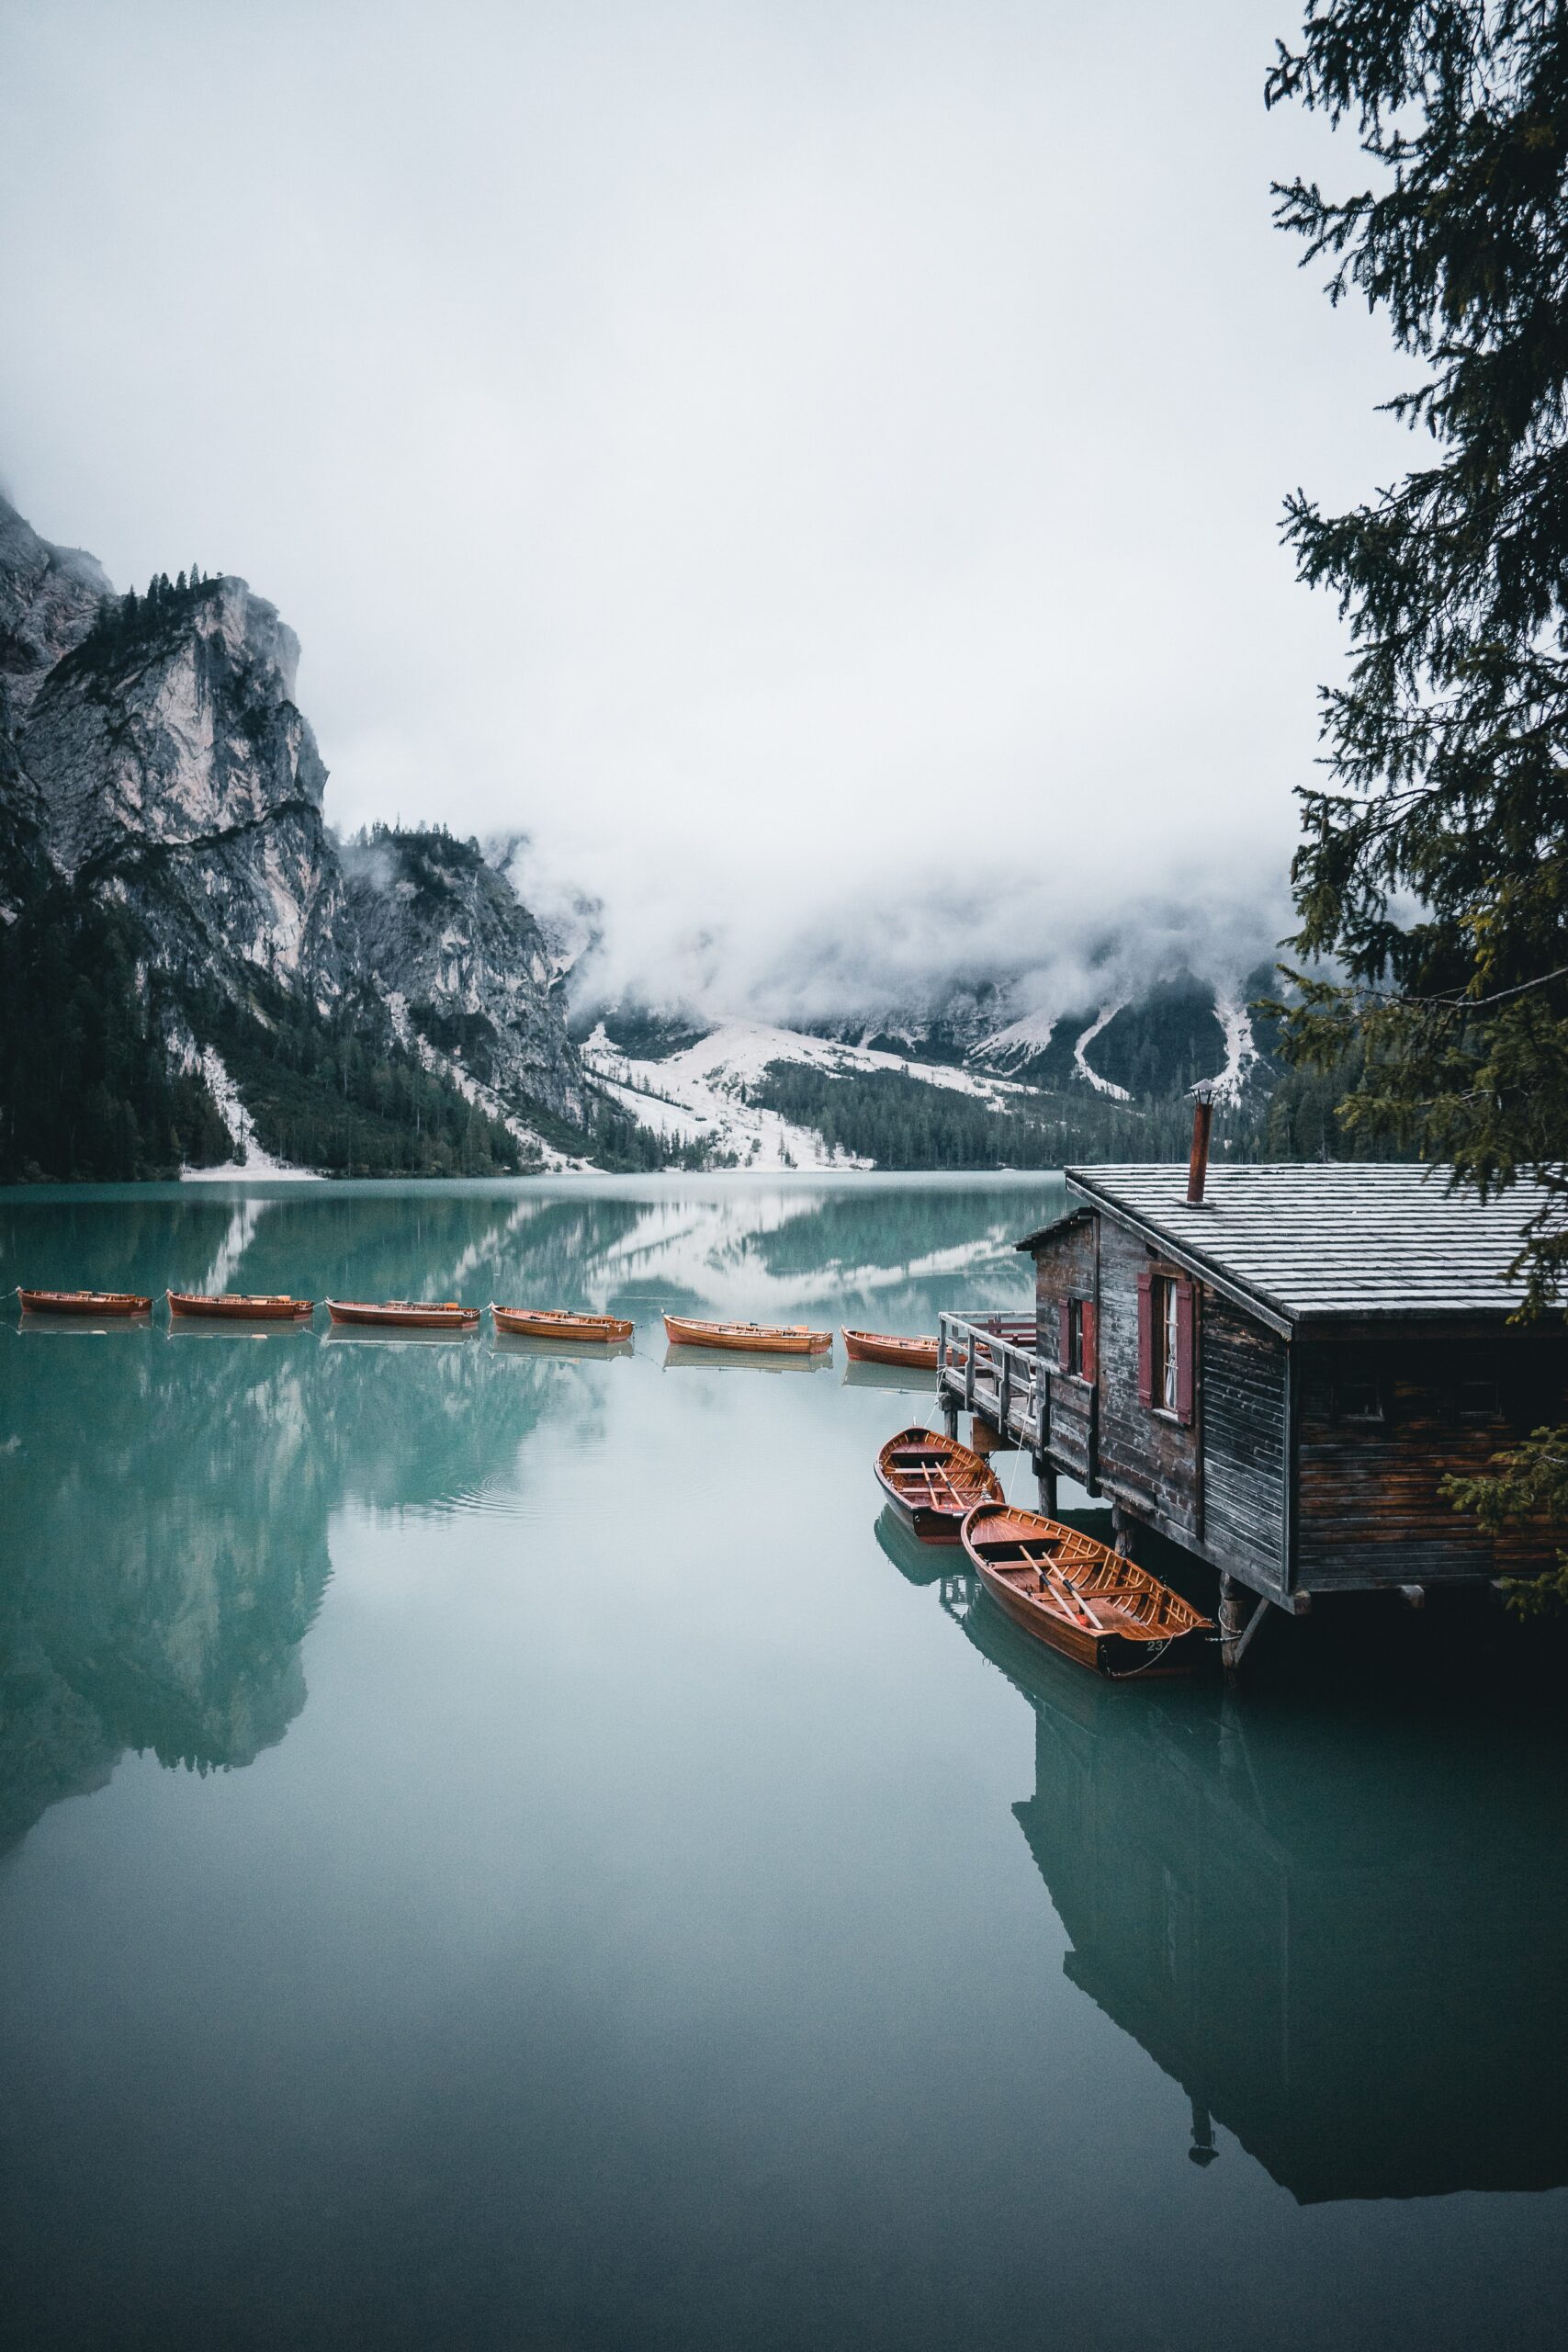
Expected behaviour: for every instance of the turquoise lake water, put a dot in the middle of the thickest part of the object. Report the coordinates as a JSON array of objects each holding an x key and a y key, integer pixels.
[{"x": 505, "y": 1847}]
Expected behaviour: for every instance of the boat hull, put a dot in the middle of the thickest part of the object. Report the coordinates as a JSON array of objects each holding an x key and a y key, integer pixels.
[
  {"x": 404, "y": 1315},
  {"x": 1079, "y": 1598},
  {"x": 124, "y": 1303},
  {"x": 527, "y": 1323},
  {"x": 230, "y": 1306},
  {"x": 748, "y": 1339},
  {"x": 886, "y": 1347},
  {"x": 931, "y": 1482}
]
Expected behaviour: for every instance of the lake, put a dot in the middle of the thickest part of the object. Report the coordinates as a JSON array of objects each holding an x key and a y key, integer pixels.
[{"x": 506, "y": 1847}]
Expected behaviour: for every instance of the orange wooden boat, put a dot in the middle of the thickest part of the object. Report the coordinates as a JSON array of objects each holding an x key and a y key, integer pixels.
[
  {"x": 409, "y": 1313},
  {"x": 551, "y": 1323},
  {"x": 84, "y": 1302},
  {"x": 884, "y": 1347},
  {"x": 1079, "y": 1596},
  {"x": 931, "y": 1482},
  {"x": 758, "y": 1338},
  {"x": 236, "y": 1306}
]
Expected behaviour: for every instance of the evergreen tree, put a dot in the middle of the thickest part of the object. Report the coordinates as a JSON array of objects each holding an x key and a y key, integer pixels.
[{"x": 1448, "y": 747}]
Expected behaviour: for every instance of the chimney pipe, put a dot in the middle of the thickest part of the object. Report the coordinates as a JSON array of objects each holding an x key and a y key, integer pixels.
[{"x": 1198, "y": 1166}]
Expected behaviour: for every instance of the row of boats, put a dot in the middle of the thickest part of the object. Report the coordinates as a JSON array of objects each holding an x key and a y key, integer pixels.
[
  {"x": 451, "y": 1315},
  {"x": 1077, "y": 1595},
  {"x": 1066, "y": 1589}
]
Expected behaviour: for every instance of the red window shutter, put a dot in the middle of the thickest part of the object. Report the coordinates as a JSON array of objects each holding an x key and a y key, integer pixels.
[
  {"x": 1064, "y": 1336},
  {"x": 1186, "y": 1323},
  {"x": 1145, "y": 1339},
  {"x": 1090, "y": 1339}
]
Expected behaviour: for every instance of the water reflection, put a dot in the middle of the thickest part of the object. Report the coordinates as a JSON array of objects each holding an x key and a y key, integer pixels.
[
  {"x": 169, "y": 1502},
  {"x": 891, "y": 1376},
  {"x": 680, "y": 1358},
  {"x": 1341, "y": 1926}
]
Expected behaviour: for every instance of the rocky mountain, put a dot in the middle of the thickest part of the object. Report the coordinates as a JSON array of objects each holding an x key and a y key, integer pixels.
[{"x": 379, "y": 1008}]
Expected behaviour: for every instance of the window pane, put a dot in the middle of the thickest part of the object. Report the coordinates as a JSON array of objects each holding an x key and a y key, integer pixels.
[{"x": 1168, "y": 1347}]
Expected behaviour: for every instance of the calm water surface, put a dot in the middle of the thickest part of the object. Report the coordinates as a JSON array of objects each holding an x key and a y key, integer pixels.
[{"x": 503, "y": 1848}]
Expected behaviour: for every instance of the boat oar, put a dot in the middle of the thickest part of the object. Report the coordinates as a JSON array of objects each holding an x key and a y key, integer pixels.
[{"x": 1070, "y": 1594}]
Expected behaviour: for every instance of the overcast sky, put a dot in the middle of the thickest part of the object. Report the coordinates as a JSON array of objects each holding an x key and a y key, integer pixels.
[{"x": 816, "y": 467}]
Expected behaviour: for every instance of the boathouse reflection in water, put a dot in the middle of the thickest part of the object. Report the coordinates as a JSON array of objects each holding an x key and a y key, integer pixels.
[{"x": 1345, "y": 1935}]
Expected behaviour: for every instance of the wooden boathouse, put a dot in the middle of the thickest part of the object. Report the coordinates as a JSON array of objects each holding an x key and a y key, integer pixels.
[{"x": 1275, "y": 1367}]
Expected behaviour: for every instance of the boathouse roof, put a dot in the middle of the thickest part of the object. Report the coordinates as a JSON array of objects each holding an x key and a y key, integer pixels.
[{"x": 1312, "y": 1241}]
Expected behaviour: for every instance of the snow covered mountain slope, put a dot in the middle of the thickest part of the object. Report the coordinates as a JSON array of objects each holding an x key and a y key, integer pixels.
[{"x": 699, "y": 1093}]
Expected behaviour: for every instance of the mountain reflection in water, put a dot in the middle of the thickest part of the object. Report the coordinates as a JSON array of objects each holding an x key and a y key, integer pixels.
[
  {"x": 598, "y": 1920},
  {"x": 174, "y": 1626},
  {"x": 1342, "y": 1927}
]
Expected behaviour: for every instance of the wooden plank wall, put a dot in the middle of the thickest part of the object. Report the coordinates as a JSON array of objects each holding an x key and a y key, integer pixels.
[
  {"x": 1147, "y": 1459},
  {"x": 1066, "y": 1268},
  {"x": 1244, "y": 1413},
  {"x": 1369, "y": 1507}
]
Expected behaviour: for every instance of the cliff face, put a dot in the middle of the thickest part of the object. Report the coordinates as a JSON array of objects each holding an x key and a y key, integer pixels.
[
  {"x": 151, "y": 753},
  {"x": 168, "y": 761},
  {"x": 465, "y": 966}
]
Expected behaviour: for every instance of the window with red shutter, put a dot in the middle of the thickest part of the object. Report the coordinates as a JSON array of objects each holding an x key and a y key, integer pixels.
[
  {"x": 1064, "y": 1336},
  {"x": 1145, "y": 1339},
  {"x": 1088, "y": 1345},
  {"x": 1186, "y": 1349}
]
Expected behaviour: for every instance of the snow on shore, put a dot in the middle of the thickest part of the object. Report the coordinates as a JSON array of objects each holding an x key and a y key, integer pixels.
[{"x": 253, "y": 1161}]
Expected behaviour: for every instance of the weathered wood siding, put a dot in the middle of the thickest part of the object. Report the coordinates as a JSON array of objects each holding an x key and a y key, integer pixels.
[
  {"x": 1369, "y": 1509},
  {"x": 1066, "y": 1268},
  {"x": 1276, "y": 1480},
  {"x": 1147, "y": 1459},
  {"x": 1245, "y": 1418}
]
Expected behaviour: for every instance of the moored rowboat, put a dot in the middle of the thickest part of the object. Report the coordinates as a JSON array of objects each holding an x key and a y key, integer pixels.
[
  {"x": 758, "y": 1338},
  {"x": 410, "y": 1314},
  {"x": 932, "y": 1482},
  {"x": 884, "y": 1347},
  {"x": 272, "y": 1307},
  {"x": 1079, "y": 1596},
  {"x": 551, "y": 1323},
  {"x": 84, "y": 1302}
]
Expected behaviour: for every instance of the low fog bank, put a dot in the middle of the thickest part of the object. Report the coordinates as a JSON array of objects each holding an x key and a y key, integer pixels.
[{"x": 1022, "y": 946}]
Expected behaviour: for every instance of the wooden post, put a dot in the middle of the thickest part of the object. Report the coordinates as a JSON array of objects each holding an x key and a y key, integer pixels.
[
  {"x": 1045, "y": 1478},
  {"x": 1230, "y": 1626},
  {"x": 1202, "y": 2152},
  {"x": 1122, "y": 1531},
  {"x": 950, "y": 1415}
]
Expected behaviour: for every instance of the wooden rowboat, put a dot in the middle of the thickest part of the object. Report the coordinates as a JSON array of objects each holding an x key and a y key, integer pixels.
[
  {"x": 758, "y": 1338},
  {"x": 84, "y": 1302},
  {"x": 409, "y": 1313},
  {"x": 884, "y": 1347},
  {"x": 550, "y": 1323},
  {"x": 271, "y": 1307},
  {"x": 932, "y": 1482},
  {"x": 1081, "y": 1597}
]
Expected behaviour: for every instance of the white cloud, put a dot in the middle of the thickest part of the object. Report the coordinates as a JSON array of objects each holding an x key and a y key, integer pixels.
[{"x": 815, "y": 470}]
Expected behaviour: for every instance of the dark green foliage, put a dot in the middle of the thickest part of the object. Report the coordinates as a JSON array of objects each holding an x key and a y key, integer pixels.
[
  {"x": 647, "y": 1036},
  {"x": 86, "y": 1093},
  {"x": 1447, "y": 748},
  {"x": 343, "y": 1095},
  {"x": 125, "y": 624},
  {"x": 1307, "y": 1116},
  {"x": 1164, "y": 1043},
  {"x": 905, "y": 1122}
]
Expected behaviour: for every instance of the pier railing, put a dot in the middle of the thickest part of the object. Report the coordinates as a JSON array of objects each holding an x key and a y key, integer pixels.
[{"x": 989, "y": 1365}]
